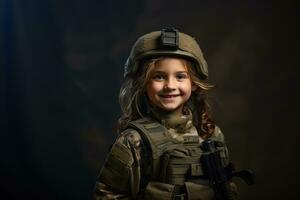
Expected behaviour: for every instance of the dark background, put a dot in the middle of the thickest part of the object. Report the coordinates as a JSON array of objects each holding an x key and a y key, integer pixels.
[{"x": 61, "y": 65}]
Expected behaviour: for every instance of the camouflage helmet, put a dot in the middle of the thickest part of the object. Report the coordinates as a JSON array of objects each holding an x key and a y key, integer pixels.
[{"x": 167, "y": 42}]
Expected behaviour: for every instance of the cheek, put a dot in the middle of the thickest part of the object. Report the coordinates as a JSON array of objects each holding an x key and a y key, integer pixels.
[
  {"x": 154, "y": 87},
  {"x": 151, "y": 90},
  {"x": 187, "y": 88}
]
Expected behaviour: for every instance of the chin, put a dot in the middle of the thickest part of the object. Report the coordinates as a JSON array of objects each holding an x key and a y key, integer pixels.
[{"x": 170, "y": 108}]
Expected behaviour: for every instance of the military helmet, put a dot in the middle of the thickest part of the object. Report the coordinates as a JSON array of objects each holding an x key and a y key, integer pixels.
[{"x": 167, "y": 42}]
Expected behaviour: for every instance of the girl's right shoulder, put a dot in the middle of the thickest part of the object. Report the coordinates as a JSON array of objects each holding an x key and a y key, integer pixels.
[{"x": 130, "y": 138}]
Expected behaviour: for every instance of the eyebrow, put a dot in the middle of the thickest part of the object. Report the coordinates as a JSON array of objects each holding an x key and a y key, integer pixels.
[{"x": 163, "y": 72}]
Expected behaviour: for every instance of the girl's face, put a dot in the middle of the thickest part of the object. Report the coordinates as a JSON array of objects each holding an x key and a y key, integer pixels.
[{"x": 169, "y": 86}]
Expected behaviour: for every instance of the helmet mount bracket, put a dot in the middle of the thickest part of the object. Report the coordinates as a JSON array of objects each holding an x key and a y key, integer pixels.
[{"x": 169, "y": 39}]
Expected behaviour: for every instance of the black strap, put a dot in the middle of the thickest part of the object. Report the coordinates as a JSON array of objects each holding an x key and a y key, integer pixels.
[
  {"x": 169, "y": 38},
  {"x": 179, "y": 192},
  {"x": 180, "y": 197}
]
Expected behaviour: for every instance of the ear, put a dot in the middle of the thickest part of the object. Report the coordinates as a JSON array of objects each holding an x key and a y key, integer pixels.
[{"x": 194, "y": 87}]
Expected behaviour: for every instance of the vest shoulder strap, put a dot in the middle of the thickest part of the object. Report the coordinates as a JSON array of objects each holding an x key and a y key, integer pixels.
[{"x": 155, "y": 134}]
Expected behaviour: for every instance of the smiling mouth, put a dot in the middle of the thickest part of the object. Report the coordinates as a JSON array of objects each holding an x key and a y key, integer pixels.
[{"x": 169, "y": 96}]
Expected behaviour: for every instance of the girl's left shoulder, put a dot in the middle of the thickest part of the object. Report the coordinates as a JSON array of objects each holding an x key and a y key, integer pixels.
[{"x": 218, "y": 134}]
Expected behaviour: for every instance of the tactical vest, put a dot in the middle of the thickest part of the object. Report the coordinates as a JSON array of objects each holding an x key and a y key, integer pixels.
[{"x": 176, "y": 168}]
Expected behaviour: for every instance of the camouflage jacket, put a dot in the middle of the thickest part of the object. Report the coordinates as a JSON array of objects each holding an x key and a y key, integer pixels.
[{"x": 126, "y": 171}]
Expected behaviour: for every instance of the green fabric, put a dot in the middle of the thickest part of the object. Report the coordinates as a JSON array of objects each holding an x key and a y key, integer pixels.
[
  {"x": 116, "y": 171},
  {"x": 159, "y": 191},
  {"x": 172, "y": 161},
  {"x": 176, "y": 162},
  {"x": 198, "y": 192}
]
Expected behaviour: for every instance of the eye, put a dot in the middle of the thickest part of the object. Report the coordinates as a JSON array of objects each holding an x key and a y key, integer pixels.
[
  {"x": 158, "y": 77},
  {"x": 181, "y": 76}
]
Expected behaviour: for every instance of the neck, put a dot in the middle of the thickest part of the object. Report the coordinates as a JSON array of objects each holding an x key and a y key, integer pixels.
[
  {"x": 166, "y": 113},
  {"x": 172, "y": 119}
]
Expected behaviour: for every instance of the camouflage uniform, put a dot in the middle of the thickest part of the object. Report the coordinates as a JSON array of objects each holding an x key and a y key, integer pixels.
[{"x": 127, "y": 173}]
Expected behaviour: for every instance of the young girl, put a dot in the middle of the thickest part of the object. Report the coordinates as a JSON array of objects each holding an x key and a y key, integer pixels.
[{"x": 157, "y": 154}]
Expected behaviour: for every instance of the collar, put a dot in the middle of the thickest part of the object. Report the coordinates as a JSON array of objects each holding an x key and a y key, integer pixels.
[{"x": 181, "y": 123}]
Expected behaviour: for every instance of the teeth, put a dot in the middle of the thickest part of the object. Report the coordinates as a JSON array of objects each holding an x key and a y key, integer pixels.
[{"x": 169, "y": 96}]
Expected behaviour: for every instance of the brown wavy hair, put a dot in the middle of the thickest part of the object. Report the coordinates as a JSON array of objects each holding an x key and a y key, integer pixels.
[{"x": 133, "y": 100}]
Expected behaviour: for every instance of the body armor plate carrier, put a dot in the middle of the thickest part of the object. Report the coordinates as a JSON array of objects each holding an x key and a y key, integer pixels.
[{"x": 176, "y": 167}]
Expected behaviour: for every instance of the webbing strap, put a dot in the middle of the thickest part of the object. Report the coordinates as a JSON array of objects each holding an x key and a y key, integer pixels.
[
  {"x": 155, "y": 134},
  {"x": 157, "y": 138}
]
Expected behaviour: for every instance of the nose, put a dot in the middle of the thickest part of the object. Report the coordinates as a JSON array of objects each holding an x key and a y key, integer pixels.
[{"x": 170, "y": 84}]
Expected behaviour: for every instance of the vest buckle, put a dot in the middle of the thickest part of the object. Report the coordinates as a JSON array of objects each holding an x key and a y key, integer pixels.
[{"x": 180, "y": 197}]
